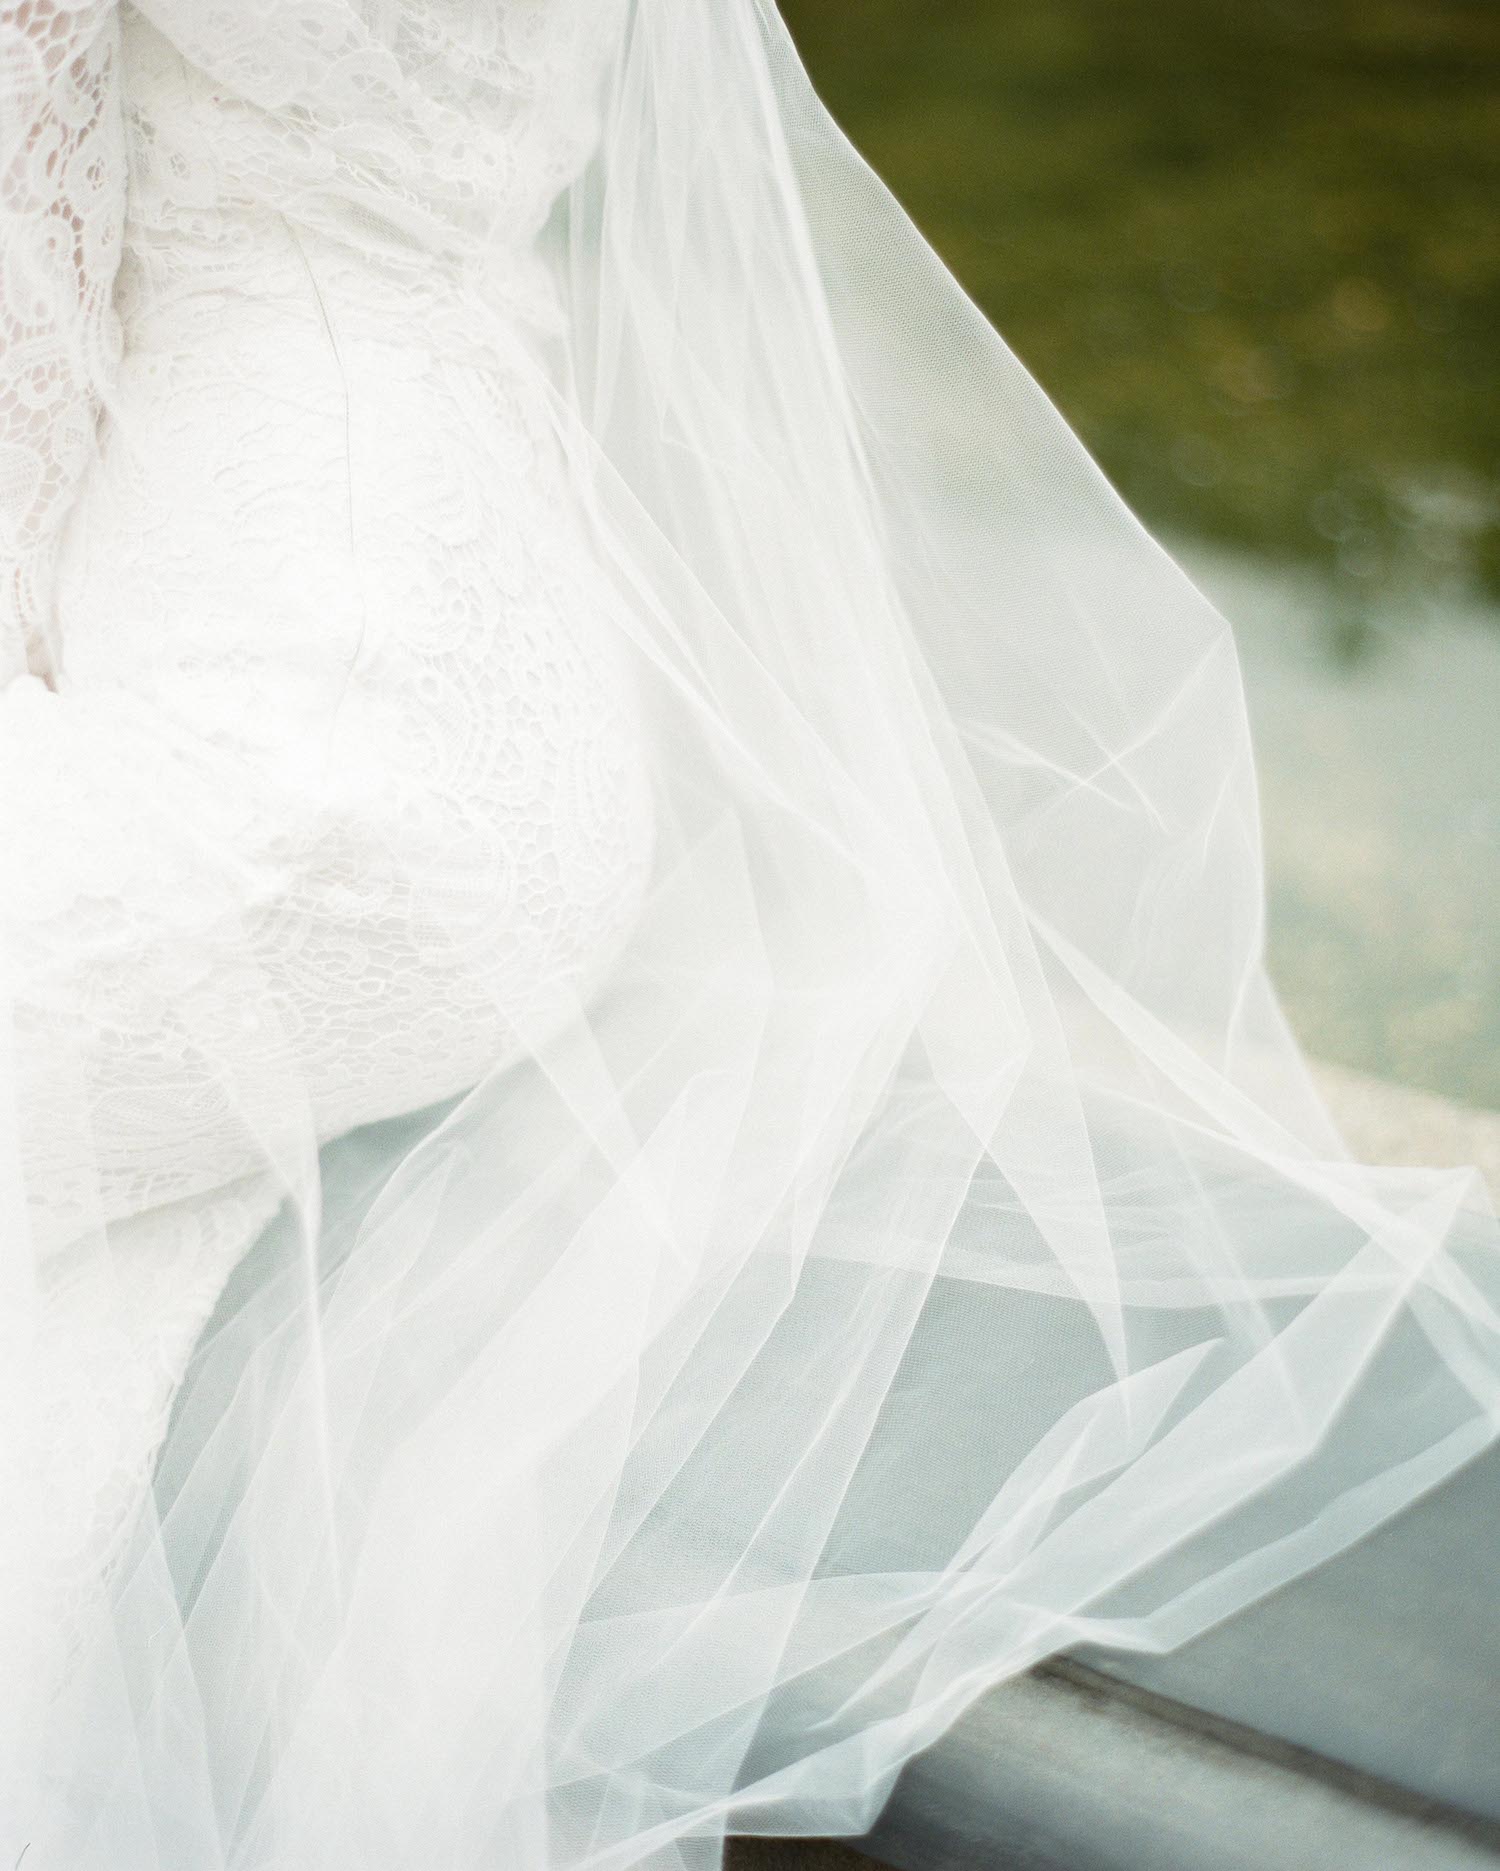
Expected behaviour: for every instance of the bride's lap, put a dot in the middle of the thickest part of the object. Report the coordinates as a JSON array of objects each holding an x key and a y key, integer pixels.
[
  {"x": 304, "y": 831},
  {"x": 194, "y": 958}
]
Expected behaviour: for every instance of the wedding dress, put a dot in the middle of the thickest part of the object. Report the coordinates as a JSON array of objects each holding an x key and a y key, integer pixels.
[{"x": 645, "y": 1140}]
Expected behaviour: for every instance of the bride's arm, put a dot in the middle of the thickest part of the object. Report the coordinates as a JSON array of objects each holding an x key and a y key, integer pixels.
[{"x": 62, "y": 205}]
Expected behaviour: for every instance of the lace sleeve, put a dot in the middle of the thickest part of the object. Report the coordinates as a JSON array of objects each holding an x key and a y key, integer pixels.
[{"x": 62, "y": 201}]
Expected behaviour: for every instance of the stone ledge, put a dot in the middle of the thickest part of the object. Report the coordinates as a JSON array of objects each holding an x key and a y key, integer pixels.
[{"x": 1065, "y": 1771}]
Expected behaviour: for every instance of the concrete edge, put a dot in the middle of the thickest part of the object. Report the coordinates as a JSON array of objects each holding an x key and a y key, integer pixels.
[{"x": 1070, "y": 1770}]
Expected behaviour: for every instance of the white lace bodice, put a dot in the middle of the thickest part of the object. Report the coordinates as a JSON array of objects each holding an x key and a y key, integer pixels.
[{"x": 430, "y": 139}]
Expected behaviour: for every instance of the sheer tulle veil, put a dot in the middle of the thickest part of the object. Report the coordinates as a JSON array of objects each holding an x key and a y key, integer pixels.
[{"x": 923, "y": 1249}]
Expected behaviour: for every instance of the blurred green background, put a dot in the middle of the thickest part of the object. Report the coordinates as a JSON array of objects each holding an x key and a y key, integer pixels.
[{"x": 1251, "y": 248}]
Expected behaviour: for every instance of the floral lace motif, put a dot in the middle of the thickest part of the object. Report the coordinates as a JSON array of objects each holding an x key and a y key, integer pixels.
[{"x": 337, "y": 779}]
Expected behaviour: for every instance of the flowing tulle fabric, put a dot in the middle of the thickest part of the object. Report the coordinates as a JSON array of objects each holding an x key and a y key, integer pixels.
[{"x": 921, "y": 1250}]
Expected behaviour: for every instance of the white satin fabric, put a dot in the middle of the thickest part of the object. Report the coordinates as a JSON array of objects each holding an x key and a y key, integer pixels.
[{"x": 581, "y": 740}]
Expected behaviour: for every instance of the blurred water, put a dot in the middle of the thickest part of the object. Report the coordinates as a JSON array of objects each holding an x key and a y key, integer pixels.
[{"x": 1380, "y": 784}]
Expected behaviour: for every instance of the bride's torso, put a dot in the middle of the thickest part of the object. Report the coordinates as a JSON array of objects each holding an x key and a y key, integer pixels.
[{"x": 329, "y": 518}]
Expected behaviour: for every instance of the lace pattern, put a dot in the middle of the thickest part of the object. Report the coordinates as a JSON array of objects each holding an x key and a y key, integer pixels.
[
  {"x": 61, "y": 216},
  {"x": 337, "y": 782}
]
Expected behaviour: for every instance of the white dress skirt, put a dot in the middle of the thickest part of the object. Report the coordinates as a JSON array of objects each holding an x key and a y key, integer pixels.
[{"x": 644, "y": 1139}]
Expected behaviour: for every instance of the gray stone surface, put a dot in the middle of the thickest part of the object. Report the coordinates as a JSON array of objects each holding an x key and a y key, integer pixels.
[
  {"x": 1350, "y": 1722},
  {"x": 1388, "y": 1657},
  {"x": 1053, "y": 1774}
]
